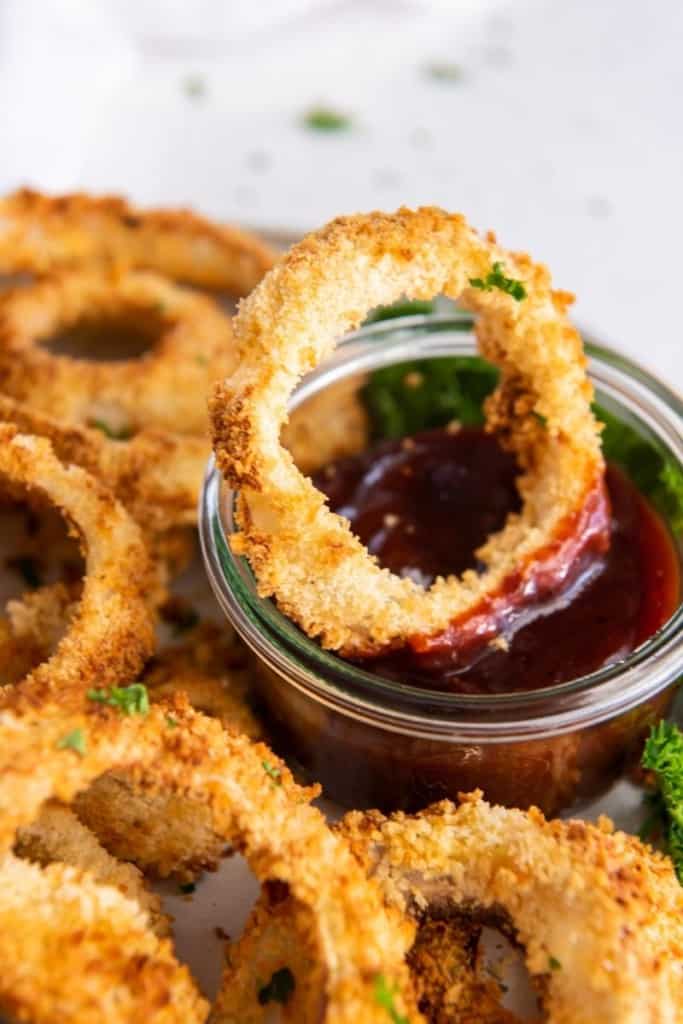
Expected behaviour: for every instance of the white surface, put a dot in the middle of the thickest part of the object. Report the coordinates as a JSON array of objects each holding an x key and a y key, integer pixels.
[{"x": 564, "y": 133}]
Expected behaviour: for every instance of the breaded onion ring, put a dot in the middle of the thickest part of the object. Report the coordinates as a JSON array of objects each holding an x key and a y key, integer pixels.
[
  {"x": 111, "y": 632},
  {"x": 155, "y": 474},
  {"x": 305, "y": 555},
  {"x": 58, "y": 835},
  {"x": 161, "y": 390},
  {"x": 600, "y": 916},
  {"x": 162, "y": 832},
  {"x": 42, "y": 233},
  {"x": 254, "y": 803},
  {"x": 75, "y": 950}
]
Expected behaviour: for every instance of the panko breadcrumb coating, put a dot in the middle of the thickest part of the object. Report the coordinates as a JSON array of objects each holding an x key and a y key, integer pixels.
[
  {"x": 40, "y": 233},
  {"x": 58, "y": 835},
  {"x": 111, "y": 631},
  {"x": 76, "y": 950},
  {"x": 600, "y": 916},
  {"x": 254, "y": 804},
  {"x": 306, "y": 556}
]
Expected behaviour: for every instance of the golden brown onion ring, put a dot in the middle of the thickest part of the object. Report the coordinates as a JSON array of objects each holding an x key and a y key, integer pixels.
[
  {"x": 600, "y": 916},
  {"x": 58, "y": 835},
  {"x": 156, "y": 475},
  {"x": 162, "y": 390},
  {"x": 41, "y": 233},
  {"x": 76, "y": 950},
  {"x": 253, "y": 802},
  {"x": 305, "y": 555},
  {"x": 111, "y": 632}
]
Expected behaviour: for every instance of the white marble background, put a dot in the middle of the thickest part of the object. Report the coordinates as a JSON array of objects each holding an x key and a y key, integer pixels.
[{"x": 563, "y": 130}]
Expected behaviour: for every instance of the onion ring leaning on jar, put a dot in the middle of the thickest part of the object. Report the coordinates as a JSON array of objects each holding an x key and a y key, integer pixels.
[{"x": 306, "y": 556}]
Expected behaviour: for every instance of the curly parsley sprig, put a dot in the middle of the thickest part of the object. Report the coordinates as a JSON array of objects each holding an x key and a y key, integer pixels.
[
  {"x": 663, "y": 755},
  {"x": 497, "y": 279}
]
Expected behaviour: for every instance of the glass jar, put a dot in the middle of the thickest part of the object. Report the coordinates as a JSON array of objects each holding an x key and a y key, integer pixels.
[{"x": 373, "y": 742}]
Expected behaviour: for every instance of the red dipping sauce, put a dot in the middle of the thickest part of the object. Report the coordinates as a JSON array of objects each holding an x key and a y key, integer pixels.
[{"x": 424, "y": 505}]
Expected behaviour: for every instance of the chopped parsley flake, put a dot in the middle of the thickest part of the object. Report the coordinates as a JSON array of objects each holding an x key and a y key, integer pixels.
[
  {"x": 554, "y": 964},
  {"x": 279, "y": 989},
  {"x": 497, "y": 279},
  {"x": 274, "y": 773},
  {"x": 171, "y": 722},
  {"x": 113, "y": 433},
  {"x": 385, "y": 997},
  {"x": 187, "y": 888},
  {"x": 663, "y": 755},
  {"x": 28, "y": 568},
  {"x": 324, "y": 119},
  {"x": 74, "y": 740},
  {"x": 130, "y": 700},
  {"x": 444, "y": 71}
]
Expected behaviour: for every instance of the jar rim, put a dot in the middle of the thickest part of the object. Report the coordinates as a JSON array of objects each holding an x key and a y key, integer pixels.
[{"x": 400, "y": 707}]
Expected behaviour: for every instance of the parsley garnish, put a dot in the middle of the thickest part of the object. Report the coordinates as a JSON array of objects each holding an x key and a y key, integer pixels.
[
  {"x": 74, "y": 740},
  {"x": 171, "y": 722},
  {"x": 114, "y": 434},
  {"x": 130, "y": 700},
  {"x": 187, "y": 888},
  {"x": 28, "y": 568},
  {"x": 452, "y": 388},
  {"x": 663, "y": 755},
  {"x": 279, "y": 989},
  {"x": 324, "y": 119},
  {"x": 497, "y": 279},
  {"x": 554, "y": 964},
  {"x": 385, "y": 997},
  {"x": 444, "y": 71},
  {"x": 274, "y": 773}
]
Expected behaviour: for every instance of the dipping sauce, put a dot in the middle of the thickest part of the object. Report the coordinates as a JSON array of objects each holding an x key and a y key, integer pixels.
[{"x": 424, "y": 505}]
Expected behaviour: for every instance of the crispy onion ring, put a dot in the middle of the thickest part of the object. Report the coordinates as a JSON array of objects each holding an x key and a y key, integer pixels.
[
  {"x": 600, "y": 916},
  {"x": 76, "y": 950},
  {"x": 158, "y": 391},
  {"x": 155, "y": 474},
  {"x": 58, "y": 835},
  {"x": 41, "y": 233},
  {"x": 163, "y": 832},
  {"x": 253, "y": 801},
  {"x": 306, "y": 556},
  {"x": 112, "y": 631}
]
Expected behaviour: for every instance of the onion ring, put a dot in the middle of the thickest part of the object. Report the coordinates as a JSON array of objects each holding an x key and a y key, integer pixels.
[
  {"x": 112, "y": 631},
  {"x": 58, "y": 835},
  {"x": 73, "y": 949},
  {"x": 600, "y": 915},
  {"x": 253, "y": 801},
  {"x": 157, "y": 391},
  {"x": 305, "y": 555},
  {"x": 41, "y": 233},
  {"x": 161, "y": 832}
]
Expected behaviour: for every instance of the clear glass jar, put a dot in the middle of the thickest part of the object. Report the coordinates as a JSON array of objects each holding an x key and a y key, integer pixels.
[{"x": 374, "y": 742}]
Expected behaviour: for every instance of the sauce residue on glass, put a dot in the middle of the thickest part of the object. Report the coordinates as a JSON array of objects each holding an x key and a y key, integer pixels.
[{"x": 425, "y": 504}]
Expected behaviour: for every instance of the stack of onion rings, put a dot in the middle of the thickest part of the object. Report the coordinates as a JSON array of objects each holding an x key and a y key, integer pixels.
[{"x": 307, "y": 556}]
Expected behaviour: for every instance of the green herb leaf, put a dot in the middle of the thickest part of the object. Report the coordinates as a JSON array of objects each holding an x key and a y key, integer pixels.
[
  {"x": 444, "y": 71},
  {"x": 324, "y": 119},
  {"x": 385, "y": 997},
  {"x": 279, "y": 989},
  {"x": 130, "y": 700},
  {"x": 74, "y": 740},
  {"x": 657, "y": 476},
  {"x": 554, "y": 964},
  {"x": 114, "y": 434},
  {"x": 274, "y": 773},
  {"x": 497, "y": 279},
  {"x": 171, "y": 722},
  {"x": 663, "y": 755},
  {"x": 407, "y": 307},
  {"x": 450, "y": 388},
  {"x": 28, "y": 568}
]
